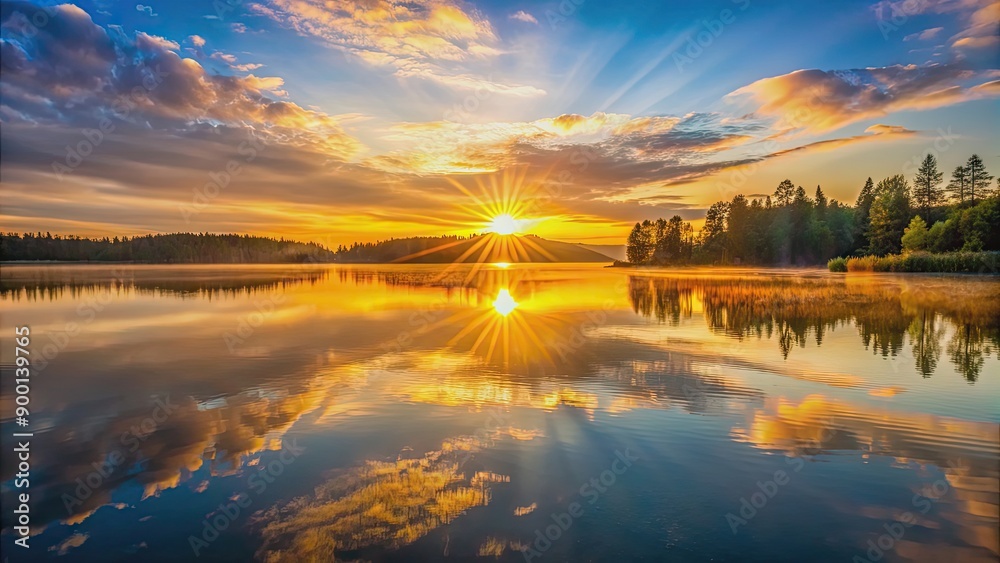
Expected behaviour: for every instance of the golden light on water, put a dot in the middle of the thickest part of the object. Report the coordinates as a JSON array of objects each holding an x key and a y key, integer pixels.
[{"x": 504, "y": 303}]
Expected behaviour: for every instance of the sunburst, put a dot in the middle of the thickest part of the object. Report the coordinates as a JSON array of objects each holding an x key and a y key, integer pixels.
[
  {"x": 501, "y": 204},
  {"x": 505, "y": 224}
]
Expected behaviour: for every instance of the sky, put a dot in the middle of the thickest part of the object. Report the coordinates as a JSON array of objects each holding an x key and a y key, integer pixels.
[{"x": 336, "y": 121}]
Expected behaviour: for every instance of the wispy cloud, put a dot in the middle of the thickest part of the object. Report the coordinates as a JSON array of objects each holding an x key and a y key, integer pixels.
[
  {"x": 924, "y": 35},
  {"x": 433, "y": 39},
  {"x": 523, "y": 16}
]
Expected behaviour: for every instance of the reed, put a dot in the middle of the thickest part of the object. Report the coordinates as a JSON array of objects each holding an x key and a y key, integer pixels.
[{"x": 949, "y": 262}]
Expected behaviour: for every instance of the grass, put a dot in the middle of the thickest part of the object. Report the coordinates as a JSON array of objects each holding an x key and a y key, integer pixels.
[
  {"x": 837, "y": 264},
  {"x": 949, "y": 262}
]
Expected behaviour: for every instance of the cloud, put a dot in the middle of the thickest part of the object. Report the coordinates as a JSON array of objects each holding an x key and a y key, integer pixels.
[
  {"x": 875, "y": 132},
  {"x": 196, "y": 40},
  {"x": 981, "y": 31},
  {"x": 72, "y": 72},
  {"x": 924, "y": 35},
  {"x": 881, "y": 129},
  {"x": 75, "y": 540},
  {"x": 619, "y": 149},
  {"x": 147, "y": 9},
  {"x": 977, "y": 17},
  {"x": 818, "y": 101},
  {"x": 523, "y": 16},
  {"x": 146, "y": 41},
  {"x": 238, "y": 27},
  {"x": 231, "y": 61},
  {"x": 438, "y": 40}
]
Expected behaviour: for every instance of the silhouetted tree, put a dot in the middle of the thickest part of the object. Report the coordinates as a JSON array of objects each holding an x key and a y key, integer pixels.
[
  {"x": 957, "y": 185},
  {"x": 784, "y": 193},
  {"x": 979, "y": 179},
  {"x": 639, "y": 245},
  {"x": 926, "y": 193}
]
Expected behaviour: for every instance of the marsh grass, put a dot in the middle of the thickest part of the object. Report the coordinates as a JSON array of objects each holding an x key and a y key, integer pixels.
[{"x": 950, "y": 262}]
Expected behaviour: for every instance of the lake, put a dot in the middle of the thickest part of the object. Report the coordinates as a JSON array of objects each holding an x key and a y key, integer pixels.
[{"x": 541, "y": 413}]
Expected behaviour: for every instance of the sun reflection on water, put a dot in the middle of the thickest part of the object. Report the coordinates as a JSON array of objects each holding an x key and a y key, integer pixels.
[{"x": 504, "y": 303}]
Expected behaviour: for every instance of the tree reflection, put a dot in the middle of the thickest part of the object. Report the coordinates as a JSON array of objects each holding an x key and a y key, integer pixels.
[
  {"x": 925, "y": 336},
  {"x": 790, "y": 311},
  {"x": 967, "y": 348}
]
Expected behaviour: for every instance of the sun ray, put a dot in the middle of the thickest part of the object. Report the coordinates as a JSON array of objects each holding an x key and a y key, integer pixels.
[
  {"x": 425, "y": 252},
  {"x": 539, "y": 249}
]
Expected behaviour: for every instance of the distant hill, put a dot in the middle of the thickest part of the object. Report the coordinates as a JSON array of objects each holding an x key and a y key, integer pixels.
[
  {"x": 480, "y": 248},
  {"x": 178, "y": 248},
  {"x": 616, "y": 251}
]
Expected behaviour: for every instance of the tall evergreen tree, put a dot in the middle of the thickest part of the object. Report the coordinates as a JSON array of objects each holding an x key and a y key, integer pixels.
[
  {"x": 862, "y": 210},
  {"x": 959, "y": 183},
  {"x": 784, "y": 193},
  {"x": 926, "y": 193},
  {"x": 979, "y": 179},
  {"x": 821, "y": 202}
]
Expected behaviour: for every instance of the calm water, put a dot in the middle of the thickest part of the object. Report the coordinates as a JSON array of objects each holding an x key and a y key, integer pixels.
[{"x": 413, "y": 413}]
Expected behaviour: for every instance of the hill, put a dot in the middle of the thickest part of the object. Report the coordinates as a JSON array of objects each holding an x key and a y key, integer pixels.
[
  {"x": 481, "y": 248},
  {"x": 615, "y": 251}
]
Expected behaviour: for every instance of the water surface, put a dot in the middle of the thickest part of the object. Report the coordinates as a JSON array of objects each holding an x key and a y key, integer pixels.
[{"x": 401, "y": 413}]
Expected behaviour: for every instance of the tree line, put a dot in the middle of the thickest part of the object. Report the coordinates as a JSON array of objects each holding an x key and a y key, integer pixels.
[
  {"x": 791, "y": 228},
  {"x": 383, "y": 251},
  {"x": 179, "y": 248}
]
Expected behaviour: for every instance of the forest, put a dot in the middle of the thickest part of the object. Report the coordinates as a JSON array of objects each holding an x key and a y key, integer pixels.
[
  {"x": 891, "y": 217},
  {"x": 179, "y": 248}
]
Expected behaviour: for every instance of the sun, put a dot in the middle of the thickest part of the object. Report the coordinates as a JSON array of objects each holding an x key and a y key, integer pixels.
[
  {"x": 504, "y": 303},
  {"x": 504, "y": 224}
]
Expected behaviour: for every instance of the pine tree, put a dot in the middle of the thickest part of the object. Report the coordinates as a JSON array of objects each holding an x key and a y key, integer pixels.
[
  {"x": 979, "y": 179},
  {"x": 926, "y": 192},
  {"x": 959, "y": 182},
  {"x": 785, "y": 193},
  {"x": 821, "y": 202},
  {"x": 862, "y": 218}
]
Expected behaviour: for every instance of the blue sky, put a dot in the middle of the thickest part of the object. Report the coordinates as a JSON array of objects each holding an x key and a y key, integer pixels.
[{"x": 372, "y": 112}]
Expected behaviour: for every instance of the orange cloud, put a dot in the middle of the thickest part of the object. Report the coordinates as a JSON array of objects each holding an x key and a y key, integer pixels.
[{"x": 818, "y": 101}]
